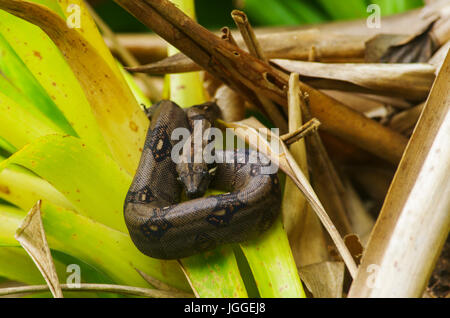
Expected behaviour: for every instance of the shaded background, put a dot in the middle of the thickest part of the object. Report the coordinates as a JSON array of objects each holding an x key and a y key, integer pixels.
[{"x": 214, "y": 14}]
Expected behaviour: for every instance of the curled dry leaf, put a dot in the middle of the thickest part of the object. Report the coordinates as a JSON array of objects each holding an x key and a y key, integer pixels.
[{"x": 31, "y": 236}]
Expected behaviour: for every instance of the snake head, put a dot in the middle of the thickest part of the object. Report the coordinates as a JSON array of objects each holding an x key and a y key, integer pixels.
[{"x": 195, "y": 178}]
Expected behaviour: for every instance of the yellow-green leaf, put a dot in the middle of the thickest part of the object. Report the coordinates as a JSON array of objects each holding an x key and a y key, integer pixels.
[{"x": 120, "y": 119}]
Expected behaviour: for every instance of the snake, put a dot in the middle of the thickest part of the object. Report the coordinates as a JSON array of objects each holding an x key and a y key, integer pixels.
[{"x": 165, "y": 210}]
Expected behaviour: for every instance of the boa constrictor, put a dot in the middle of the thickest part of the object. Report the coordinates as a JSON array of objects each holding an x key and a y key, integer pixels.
[{"x": 161, "y": 226}]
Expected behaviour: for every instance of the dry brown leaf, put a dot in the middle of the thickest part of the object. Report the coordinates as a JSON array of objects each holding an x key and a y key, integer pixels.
[
  {"x": 31, "y": 236},
  {"x": 324, "y": 280},
  {"x": 412, "y": 81}
]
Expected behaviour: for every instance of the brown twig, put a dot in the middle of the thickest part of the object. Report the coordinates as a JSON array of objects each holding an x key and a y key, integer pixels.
[
  {"x": 305, "y": 130},
  {"x": 228, "y": 36},
  {"x": 248, "y": 35},
  {"x": 246, "y": 30}
]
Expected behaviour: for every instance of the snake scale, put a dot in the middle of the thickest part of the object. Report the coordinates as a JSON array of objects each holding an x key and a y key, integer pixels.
[{"x": 162, "y": 226}]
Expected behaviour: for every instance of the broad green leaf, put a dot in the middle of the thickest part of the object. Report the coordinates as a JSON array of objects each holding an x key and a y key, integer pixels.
[
  {"x": 14, "y": 73},
  {"x": 23, "y": 188},
  {"x": 110, "y": 251},
  {"x": 16, "y": 265},
  {"x": 89, "y": 31},
  {"x": 47, "y": 65},
  {"x": 215, "y": 274},
  {"x": 271, "y": 261},
  {"x": 90, "y": 180},
  {"x": 19, "y": 126},
  {"x": 118, "y": 115},
  {"x": 10, "y": 219},
  {"x": 6, "y": 146}
]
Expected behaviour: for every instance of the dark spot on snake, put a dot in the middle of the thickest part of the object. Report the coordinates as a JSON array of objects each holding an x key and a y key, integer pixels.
[
  {"x": 143, "y": 195},
  {"x": 203, "y": 242},
  {"x": 160, "y": 145},
  {"x": 227, "y": 205},
  {"x": 156, "y": 226}
]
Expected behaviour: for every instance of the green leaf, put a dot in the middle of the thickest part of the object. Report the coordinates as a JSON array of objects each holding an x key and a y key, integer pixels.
[
  {"x": 273, "y": 266},
  {"x": 22, "y": 188},
  {"x": 118, "y": 115},
  {"x": 14, "y": 73},
  {"x": 107, "y": 250},
  {"x": 19, "y": 126},
  {"x": 47, "y": 65},
  {"x": 90, "y": 180},
  {"x": 215, "y": 274},
  {"x": 6, "y": 146}
]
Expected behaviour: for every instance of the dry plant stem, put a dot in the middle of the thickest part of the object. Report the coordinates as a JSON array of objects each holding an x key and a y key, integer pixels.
[
  {"x": 330, "y": 46},
  {"x": 241, "y": 20},
  {"x": 246, "y": 30},
  {"x": 305, "y": 130},
  {"x": 245, "y": 73},
  {"x": 304, "y": 230},
  {"x": 173, "y": 64},
  {"x": 119, "y": 289},
  {"x": 31, "y": 236},
  {"x": 235, "y": 100},
  {"x": 123, "y": 52},
  {"x": 327, "y": 179},
  {"x": 415, "y": 220},
  {"x": 227, "y": 36}
]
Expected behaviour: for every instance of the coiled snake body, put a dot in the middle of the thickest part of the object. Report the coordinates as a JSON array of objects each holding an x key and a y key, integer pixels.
[{"x": 161, "y": 226}]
